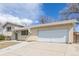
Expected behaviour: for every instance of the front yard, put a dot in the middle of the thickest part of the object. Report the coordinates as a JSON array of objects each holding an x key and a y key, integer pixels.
[{"x": 4, "y": 44}]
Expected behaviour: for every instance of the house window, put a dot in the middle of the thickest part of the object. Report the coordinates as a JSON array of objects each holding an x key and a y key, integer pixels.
[
  {"x": 25, "y": 32},
  {"x": 8, "y": 28}
]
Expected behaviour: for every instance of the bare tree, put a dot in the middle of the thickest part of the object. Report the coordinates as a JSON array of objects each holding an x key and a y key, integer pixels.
[
  {"x": 70, "y": 9},
  {"x": 45, "y": 19},
  {"x": 42, "y": 20}
]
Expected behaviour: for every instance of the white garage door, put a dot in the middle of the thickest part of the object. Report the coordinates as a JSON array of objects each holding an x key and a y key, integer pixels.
[{"x": 56, "y": 35}]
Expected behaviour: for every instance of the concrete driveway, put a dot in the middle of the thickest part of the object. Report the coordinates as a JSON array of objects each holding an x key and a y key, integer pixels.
[{"x": 41, "y": 49}]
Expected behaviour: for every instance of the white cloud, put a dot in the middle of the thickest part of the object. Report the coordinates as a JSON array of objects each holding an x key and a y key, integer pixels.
[
  {"x": 26, "y": 21},
  {"x": 28, "y": 10},
  {"x": 20, "y": 13},
  {"x": 9, "y": 18}
]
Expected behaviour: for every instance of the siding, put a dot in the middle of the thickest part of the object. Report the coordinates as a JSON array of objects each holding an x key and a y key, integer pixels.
[{"x": 22, "y": 37}]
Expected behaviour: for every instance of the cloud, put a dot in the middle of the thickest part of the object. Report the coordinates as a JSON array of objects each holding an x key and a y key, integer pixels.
[
  {"x": 20, "y": 12},
  {"x": 9, "y": 18}
]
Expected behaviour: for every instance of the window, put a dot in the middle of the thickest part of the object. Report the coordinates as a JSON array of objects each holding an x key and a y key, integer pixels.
[
  {"x": 8, "y": 28},
  {"x": 25, "y": 32}
]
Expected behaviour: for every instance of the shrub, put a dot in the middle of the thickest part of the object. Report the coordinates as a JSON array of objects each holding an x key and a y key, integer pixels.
[{"x": 2, "y": 37}]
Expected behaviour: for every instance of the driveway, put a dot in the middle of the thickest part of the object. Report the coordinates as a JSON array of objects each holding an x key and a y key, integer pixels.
[{"x": 41, "y": 49}]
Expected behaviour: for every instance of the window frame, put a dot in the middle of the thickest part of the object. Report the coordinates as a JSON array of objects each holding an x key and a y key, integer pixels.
[
  {"x": 8, "y": 29},
  {"x": 24, "y": 32}
]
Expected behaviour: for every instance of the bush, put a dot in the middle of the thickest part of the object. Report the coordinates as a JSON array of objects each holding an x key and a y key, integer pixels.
[{"x": 2, "y": 37}]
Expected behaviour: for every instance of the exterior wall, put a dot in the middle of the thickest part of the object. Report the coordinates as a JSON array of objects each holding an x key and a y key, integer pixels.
[
  {"x": 34, "y": 31},
  {"x": 5, "y": 32},
  {"x": 21, "y": 37},
  {"x": 71, "y": 35},
  {"x": 33, "y": 35},
  {"x": 13, "y": 36},
  {"x": 76, "y": 37}
]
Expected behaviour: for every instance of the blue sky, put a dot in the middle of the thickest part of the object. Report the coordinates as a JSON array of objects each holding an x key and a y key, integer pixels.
[
  {"x": 29, "y": 13},
  {"x": 52, "y": 9}
]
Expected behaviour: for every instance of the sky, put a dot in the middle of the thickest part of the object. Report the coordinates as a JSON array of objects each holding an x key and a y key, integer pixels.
[
  {"x": 52, "y": 9},
  {"x": 28, "y": 13}
]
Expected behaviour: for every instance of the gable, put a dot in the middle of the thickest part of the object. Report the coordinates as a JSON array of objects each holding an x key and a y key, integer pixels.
[{"x": 11, "y": 24}]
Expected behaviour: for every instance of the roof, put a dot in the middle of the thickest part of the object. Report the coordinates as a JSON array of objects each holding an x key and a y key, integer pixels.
[
  {"x": 19, "y": 29},
  {"x": 56, "y": 23},
  {"x": 51, "y": 24},
  {"x": 13, "y": 24}
]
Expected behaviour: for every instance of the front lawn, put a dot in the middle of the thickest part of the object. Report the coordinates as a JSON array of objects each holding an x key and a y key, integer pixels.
[{"x": 7, "y": 44}]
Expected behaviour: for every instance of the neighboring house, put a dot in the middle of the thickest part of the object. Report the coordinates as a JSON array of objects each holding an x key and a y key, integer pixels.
[
  {"x": 1, "y": 28},
  {"x": 60, "y": 32},
  {"x": 8, "y": 29}
]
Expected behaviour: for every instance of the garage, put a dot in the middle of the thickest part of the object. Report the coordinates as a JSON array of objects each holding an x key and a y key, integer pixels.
[{"x": 54, "y": 35}]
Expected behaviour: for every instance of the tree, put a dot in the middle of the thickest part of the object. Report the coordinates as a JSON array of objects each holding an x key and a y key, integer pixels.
[
  {"x": 70, "y": 12},
  {"x": 45, "y": 19},
  {"x": 42, "y": 20}
]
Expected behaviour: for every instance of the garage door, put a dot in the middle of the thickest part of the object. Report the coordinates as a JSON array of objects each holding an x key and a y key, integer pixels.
[{"x": 56, "y": 35}]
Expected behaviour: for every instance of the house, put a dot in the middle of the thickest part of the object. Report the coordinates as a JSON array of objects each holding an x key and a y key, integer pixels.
[
  {"x": 1, "y": 28},
  {"x": 8, "y": 29},
  {"x": 59, "y": 32}
]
